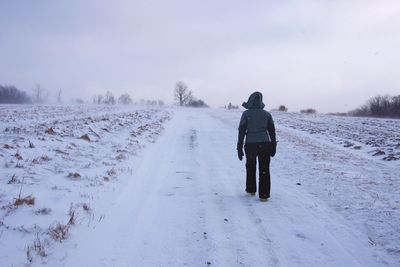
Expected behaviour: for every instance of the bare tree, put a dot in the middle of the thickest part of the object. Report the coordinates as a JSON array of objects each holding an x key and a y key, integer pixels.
[
  {"x": 125, "y": 99},
  {"x": 59, "y": 96},
  {"x": 379, "y": 106},
  {"x": 109, "y": 99},
  {"x": 40, "y": 94},
  {"x": 189, "y": 97},
  {"x": 37, "y": 93},
  {"x": 395, "y": 110},
  {"x": 98, "y": 99},
  {"x": 182, "y": 94}
]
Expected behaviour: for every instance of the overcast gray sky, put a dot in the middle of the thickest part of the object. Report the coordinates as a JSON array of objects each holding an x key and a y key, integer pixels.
[{"x": 329, "y": 55}]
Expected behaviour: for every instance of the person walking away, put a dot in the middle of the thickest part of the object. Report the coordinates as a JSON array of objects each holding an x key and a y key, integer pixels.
[{"x": 257, "y": 133}]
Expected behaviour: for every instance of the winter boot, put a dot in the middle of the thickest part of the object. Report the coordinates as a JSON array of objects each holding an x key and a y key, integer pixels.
[{"x": 251, "y": 193}]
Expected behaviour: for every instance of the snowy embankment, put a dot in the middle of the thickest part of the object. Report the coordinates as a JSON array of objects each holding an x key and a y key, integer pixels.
[{"x": 58, "y": 164}]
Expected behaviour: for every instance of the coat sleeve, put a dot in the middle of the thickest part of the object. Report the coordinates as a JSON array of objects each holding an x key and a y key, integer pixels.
[
  {"x": 242, "y": 129},
  {"x": 271, "y": 129}
]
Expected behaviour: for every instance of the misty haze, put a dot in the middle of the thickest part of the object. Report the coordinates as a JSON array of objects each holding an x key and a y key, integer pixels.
[{"x": 212, "y": 133}]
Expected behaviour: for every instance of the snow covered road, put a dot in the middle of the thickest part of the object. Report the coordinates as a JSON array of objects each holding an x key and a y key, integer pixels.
[{"x": 185, "y": 205}]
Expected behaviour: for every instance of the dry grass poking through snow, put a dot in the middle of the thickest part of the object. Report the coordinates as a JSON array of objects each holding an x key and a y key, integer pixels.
[{"x": 52, "y": 156}]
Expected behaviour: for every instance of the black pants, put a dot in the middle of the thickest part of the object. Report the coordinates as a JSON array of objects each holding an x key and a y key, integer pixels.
[{"x": 262, "y": 152}]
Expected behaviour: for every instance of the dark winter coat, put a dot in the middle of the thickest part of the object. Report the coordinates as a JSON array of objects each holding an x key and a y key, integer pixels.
[{"x": 256, "y": 124}]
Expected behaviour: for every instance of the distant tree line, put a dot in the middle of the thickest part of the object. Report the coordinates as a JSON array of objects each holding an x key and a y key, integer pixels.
[
  {"x": 109, "y": 99},
  {"x": 125, "y": 99},
  {"x": 9, "y": 94},
  {"x": 149, "y": 102},
  {"x": 12, "y": 95},
  {"x": 185, "y": 97},
  {"x": 379, "y": 106}
]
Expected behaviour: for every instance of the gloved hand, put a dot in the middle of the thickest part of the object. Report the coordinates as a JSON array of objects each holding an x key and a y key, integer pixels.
[
  {"x": 240, "y": 151},
  {"x": 273, "y": 148}
]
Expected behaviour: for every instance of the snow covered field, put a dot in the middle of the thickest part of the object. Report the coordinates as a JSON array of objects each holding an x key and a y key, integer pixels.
[
  {"x": 58, "y": 164},
  {"x": 377, "y": 137},
  {"x": 139, "y": 195}
]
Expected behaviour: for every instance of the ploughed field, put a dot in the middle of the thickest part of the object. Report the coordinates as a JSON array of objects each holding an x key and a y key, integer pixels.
[{"x": 377, "y": 137}]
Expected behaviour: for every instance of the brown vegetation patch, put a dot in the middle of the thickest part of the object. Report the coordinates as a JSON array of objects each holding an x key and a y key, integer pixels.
[
  {"x": 28, "y": 200},
  {"x": 31, "y": 145},
  {"x": 13, "y": 179},
  {"x": 59, "y": 231},
  {"x": 18, "y": 156},
  {"x": 41, "y": 159},
  {"x": 74, "y": 175},
  {"x": 39, "y": 246},
  {"x": 50, "y": 131}
]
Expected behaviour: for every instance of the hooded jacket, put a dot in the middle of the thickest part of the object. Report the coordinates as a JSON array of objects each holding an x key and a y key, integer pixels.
[{"x": 256, "y": 124}]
